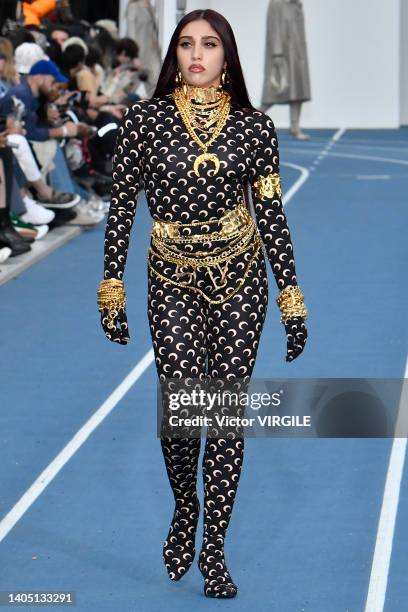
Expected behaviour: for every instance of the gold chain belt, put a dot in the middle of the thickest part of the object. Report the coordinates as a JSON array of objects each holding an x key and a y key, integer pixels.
[{"x": 238, "y": 233}]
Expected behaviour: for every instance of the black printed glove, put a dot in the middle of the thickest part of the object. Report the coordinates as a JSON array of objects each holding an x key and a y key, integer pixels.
[
  {"x": 115, "y": 325},
  {"x": 296, "y": 333}
]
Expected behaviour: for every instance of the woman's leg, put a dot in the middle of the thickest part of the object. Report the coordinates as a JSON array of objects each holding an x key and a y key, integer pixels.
[
  {"x": 26, "y": 158},
  {"x": 295, "y": 108},
  {"x": 234, "y": 330},
  {"x": 177, "y": 327}
]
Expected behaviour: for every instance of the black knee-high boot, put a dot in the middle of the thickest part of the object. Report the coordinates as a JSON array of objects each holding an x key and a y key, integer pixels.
[
  {"x": 222, "y": 464},
  {"x": 181, "y": 459},
  {"x": 9, "y": 237}
]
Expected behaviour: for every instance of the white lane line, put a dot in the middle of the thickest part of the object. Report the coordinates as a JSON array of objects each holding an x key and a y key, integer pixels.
[
  {"x": 377, "y": 587},
  {"x": 338, "y": 134},
  {"x": 333, "y": 140},
  {"x": 44, "y": 479},
  {"x": 373, "y": 177},
  {"x": 304, "y": 175},
  {"x": 304, "y": 172},
  {"x": 390, "y": 160},
  {"x": 382, "y": 149}
]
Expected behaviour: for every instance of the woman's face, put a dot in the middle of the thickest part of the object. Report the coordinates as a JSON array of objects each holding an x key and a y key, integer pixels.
[{"x": 200, "y": 45}]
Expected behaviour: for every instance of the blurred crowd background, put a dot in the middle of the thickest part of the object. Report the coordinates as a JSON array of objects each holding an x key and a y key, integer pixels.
[{"x": 66, "y": 78}]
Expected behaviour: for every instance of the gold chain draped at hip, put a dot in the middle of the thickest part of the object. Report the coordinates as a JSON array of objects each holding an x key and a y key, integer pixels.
[{"x": 174, "y": 242}]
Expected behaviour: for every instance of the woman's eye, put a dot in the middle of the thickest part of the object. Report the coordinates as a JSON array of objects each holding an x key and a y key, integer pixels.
[{"x": 211, "y": 44}]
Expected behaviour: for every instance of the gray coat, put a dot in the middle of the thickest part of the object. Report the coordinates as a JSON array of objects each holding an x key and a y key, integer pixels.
[
  {"x": 285, "y": 37},
  {"x": 142, "y": 28}
]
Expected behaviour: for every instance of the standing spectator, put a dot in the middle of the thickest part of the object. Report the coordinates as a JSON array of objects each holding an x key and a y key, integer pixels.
[
  {"x": 142, "y": 27},
  {"x": 286, "y": 70}
]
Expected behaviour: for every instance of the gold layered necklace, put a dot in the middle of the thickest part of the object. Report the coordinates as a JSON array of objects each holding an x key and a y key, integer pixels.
[{"x": 205, "y": 110}]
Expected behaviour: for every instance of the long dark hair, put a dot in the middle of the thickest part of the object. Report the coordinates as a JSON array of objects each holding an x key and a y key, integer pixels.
[{"x": 236, "y": 83}]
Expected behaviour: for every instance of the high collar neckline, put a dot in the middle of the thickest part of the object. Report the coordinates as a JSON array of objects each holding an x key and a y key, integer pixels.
[{"x": 193, "y": 93}]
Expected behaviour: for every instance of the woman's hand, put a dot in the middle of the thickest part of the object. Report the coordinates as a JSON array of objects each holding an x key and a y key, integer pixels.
[
  {"x": 97, "y": 101},
  {"x": 115, "y": 325},
  {"x": 296, "y": 333},
  {"x": 53, "y": 114}
]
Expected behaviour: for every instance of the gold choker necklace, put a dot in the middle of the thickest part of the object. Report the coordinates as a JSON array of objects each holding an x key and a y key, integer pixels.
[
  {"x": 202, "y": 95},
  {"x": 208, "y": 117}
]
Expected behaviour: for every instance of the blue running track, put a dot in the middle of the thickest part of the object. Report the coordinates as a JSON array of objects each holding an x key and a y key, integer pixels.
[{"x": 304, "y": 526}]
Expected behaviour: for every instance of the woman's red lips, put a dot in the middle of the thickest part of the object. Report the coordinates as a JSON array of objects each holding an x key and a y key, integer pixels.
[{"x": 196, "y": 68}]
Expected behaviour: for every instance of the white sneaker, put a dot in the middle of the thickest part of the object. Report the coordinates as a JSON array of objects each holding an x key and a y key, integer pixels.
[
  {"x": 41, "y": 231},
  {"x": 96, "y": 203},
  {"x": 86, "y": 215},
  {"x": 35, "y": 213},
  {"x": 5, "y": 253},
  {"x": 59, "y": 199}
]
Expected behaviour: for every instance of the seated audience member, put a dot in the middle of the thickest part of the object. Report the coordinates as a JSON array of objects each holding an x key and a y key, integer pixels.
[
  {"x": 81, "y": 76},
  {"x": 40, "y": 81},
  {"x": 124, "y": 79},
  {"x": 19, "y": 36},
  {"x": 9, "y": 237},
  {"x": 35, "y": 10},
  {"x": 26, "y": 55},
  {"x": 58, "y": 34},
  {"x": 43, "y": 80},
  {"x": 24, "y": 155},
  {"x": 8, "y": 72},
  {"x": 93, "y": 60}
]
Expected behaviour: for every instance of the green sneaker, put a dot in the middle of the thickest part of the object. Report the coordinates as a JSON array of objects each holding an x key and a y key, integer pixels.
[{"x": 28, "y": 231}]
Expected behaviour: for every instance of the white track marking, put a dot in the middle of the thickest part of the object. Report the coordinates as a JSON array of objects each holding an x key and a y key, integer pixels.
[
  {"x": 333, "y": 140},
  {"x": 44, "y": 479},
  {"x": 304, "y": 175},
  {"x": 373, "y": 177},
  {"x": 377, "y": 587},
  {"x": 304, "y": 172},
  {"x": 390, "y": 160}
]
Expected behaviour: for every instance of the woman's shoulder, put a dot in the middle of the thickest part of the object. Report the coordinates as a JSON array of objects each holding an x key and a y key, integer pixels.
[
  {"x": 254, "y": 118},
  {"x": 151, "y": 105}
]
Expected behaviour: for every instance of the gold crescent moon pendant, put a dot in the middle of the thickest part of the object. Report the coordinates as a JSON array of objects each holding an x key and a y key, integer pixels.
[{"x": 206, "y": 157}]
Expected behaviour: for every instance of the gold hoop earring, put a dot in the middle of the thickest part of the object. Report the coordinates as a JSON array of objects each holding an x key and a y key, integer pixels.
[{"x": 180, "y": 82}]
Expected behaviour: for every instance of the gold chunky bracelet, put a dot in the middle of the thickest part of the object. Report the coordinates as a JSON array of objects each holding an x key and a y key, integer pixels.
[
  {"x": 112, "y": 298},
  {"x": 291, "y": 303}
]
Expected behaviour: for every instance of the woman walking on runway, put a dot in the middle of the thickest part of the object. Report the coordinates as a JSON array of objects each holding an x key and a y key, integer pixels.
[{"x": 193, "y": 147}]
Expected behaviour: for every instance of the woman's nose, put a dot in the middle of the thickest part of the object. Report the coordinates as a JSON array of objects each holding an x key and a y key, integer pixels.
[{"x": 197, "y": 52}]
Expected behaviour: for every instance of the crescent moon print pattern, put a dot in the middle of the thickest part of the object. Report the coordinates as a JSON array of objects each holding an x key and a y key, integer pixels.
[
  {"x": 186, "y": 329},
  {"x": 154, "y": 151},
  {"x": 192, "y": 337}
]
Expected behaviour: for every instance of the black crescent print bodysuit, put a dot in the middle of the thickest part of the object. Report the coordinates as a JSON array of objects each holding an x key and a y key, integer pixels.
[
  {"x": 191, "y": 336},
  {"x": 154, "y": 151}
]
